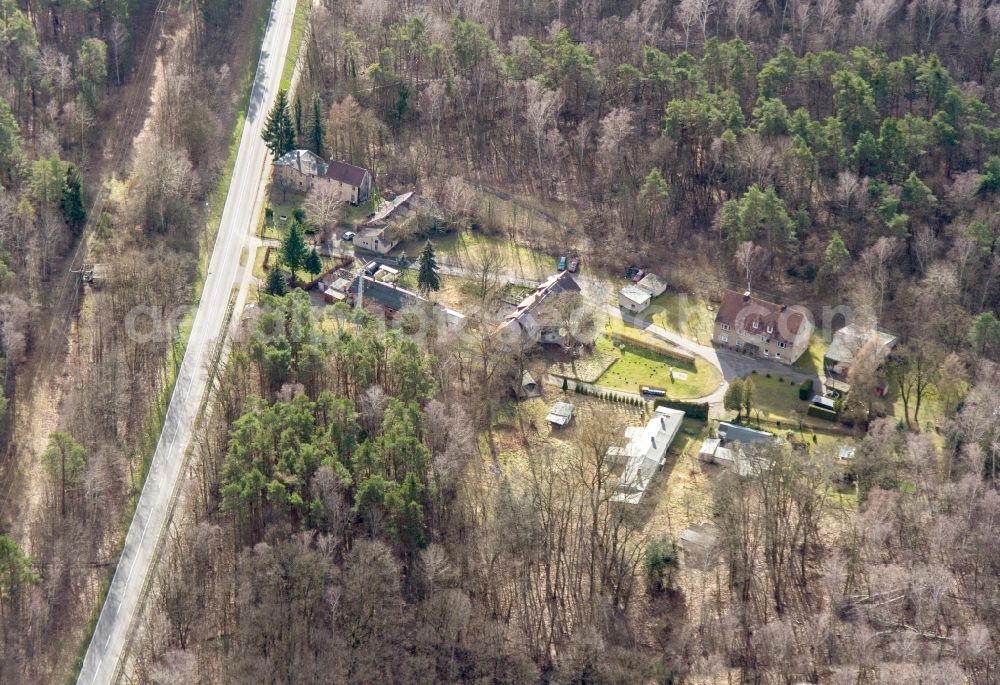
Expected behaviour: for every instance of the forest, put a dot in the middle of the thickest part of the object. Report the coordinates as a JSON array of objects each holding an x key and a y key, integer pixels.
[
  {"x": 352, "y": 511},
  {"x": 110, "y": 147}
]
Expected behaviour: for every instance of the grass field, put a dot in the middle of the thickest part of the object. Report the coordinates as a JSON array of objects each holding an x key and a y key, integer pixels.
[
  {"x": 811, "y": 360},
  {"x": 461, "y": 249},
  {"x": 684, "y": 314},
  {"x": 295, "y": 41},
  {"x": 636, "y": 367}
]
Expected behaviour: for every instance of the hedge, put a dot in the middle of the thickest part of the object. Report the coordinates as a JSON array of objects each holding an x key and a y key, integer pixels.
[
  {"x": 821, "y": 413},
  {"x": 692, "y": 410},
  {"x": 662, "y": 348},
  {"x": 806, "y": 390}
]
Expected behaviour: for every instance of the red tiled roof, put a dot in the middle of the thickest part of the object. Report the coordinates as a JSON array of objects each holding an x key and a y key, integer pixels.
[{"x": 740, "y": 312}]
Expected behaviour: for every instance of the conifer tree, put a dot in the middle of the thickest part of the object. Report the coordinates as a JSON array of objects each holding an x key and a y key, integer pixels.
[
  {"x": 316, "y": 131},
  {"x": 428, "y": 277},
  {"x": 293, "y": 248},
  {"x": 313, "y": 264},
  {"x": 275, "y": 282},
  {"x": 71, "y": 203},
  {"x": 279, "y": 133},
  {"x": 298, "y": 116}
]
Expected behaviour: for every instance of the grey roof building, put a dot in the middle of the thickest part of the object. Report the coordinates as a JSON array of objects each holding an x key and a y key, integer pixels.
[
  {"x": 560, "y": 414},
  {"x": 646, "y": 453}
]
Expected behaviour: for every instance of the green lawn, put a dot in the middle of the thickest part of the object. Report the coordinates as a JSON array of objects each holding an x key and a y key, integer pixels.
[
  {"x": 637, "y": 367},
  {"x": 811, "y": 360},
  {"x": 295, "y": 42},
  {"x": 684, "y": 314},
  {"x": 461, "y": 248},
  {"x": 282, "y": 204},
  {"x": 777, "y": 398},
  {"x": 690, "y": 436}
]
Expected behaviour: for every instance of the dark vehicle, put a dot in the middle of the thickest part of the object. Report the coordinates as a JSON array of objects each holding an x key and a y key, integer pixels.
[
  {"x": 371, "y": 268},
  {"x": 653, "y": 392},
  {"x": 562, "y": 263},
  {"x": 574, "y": 264},
  {"x": 631, "y": 271}
]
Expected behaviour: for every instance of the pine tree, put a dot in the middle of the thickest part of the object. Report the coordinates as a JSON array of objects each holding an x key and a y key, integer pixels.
[
  {"x": 313, "y": 263},
  {"x": 428, "y": 276},
  {"x": 71, "y": 203},
  {"x": 275, "y": 282},
  {"x": 293, "y": 248},
  {"x": 279, "y": 133},
  {"x": 298, "y": 117},
  {"x": 836, "y": 257},
  {"x": 316, "y": 131}
]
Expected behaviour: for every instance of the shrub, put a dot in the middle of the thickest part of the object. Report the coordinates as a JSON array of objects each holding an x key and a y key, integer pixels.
[
  {"x": 822, "y": 413},
  {"x": 661, "y": 562},
  {"x": 806, "y": 390},
  {"x": 692, "y": 410},
  {"x": 565, "y": 382}
]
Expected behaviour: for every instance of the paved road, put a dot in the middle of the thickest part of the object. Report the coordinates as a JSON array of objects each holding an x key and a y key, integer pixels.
[{"x": 110, "y": 637}]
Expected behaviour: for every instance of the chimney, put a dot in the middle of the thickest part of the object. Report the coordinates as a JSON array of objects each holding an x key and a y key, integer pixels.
[
  {"x": 652, "y": 439},
  {"x": 784, "y": 307},
  {"x": 746, "y": 296},
  {"x": 663, "y": 423}
]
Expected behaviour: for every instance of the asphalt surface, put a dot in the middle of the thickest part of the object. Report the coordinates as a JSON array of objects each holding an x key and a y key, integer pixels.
[{"x": 108, "y": 644}]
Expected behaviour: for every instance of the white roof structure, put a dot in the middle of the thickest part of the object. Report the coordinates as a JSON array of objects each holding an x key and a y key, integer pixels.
[
  {"x": 304, "y": 161},
  {"x": 388, "y": 207},
  {"x": 561, "y": 413},
  {"x": 652, "y": 284},
  {"x": 646, "y": 453},
  {"x": 636, "y": 294}
]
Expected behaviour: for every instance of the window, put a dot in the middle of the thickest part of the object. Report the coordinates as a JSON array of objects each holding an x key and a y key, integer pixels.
[
  {"x": 766, "y": 353},
  {"x": 756, "y": 325},
  {"x": 724, "y": 326},
  {"x": 778, "y": 355},
  {"x": 770, "y": 328},
  {"x": 781, "y": 345},
  {"x": 724, "y": 338}
]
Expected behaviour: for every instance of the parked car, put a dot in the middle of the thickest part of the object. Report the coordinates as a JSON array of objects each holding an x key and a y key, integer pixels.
[
  {"x": 631, "y": 271},
  {"x": 371, "y": 268},
  {"x": 639, "y": 275},
  {"x": 348, "y": 236},
  {"x": 562, "y": 263},
  {"x": 574, "y": 264},
  {"x": 653, "y": 392}
]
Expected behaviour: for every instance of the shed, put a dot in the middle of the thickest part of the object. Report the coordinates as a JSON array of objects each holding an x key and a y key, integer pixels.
[
  {"x": 633, "y": 298},
  {"x": 652, "y": 284},
  {"x": 528, "y": 387},
  {"x": 560, "y": 414}
]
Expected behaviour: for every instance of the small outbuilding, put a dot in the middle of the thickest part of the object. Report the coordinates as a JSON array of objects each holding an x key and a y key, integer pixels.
[
  {"x": 652, "y": 284},
  {"x": 528, "y": 387},
  {"x": 634, "y": 299},
  {"x": 560, "y": 414}
]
